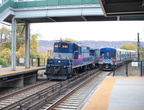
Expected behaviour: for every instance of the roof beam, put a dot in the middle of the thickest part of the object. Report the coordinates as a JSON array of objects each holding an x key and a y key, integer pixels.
[
  {"x": 124, "y": 3},
  {"x": 102, "y": 2},
  {"x": 51, "y": 19},
  {"x": 142, "y": 2},
  {"x": 84, "y": 18},
  {"x": 122, "y": 7}
]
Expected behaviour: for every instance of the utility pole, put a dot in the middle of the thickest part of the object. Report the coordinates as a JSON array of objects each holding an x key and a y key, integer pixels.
[{"x": 138, "y": 47}]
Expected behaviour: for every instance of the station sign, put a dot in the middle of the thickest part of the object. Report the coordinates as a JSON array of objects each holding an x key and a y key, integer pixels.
[{"x": 134, "y": 63}]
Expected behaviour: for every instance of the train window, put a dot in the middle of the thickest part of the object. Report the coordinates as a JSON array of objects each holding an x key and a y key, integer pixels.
[
  {"x": 64, "y": 46},
  {"x": 113, "y": 54},
  {"x": 107, "y": 54},
  {"x": 56, "y": 46},
  {"x": 122, "y": 55}
]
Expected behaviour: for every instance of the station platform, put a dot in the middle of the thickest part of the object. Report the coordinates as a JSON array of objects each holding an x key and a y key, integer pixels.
[
  {"x": 19, "y": 69},
  {"x": 118, "y": 93},
  {"x": 20, "y": 77}
]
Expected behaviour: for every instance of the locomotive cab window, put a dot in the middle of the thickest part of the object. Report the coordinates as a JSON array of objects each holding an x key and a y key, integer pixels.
[
  {"x": 65, "y": 46},
  {"x": 56, "y": 45}
]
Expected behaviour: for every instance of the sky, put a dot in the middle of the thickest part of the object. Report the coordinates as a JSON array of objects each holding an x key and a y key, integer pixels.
[
  {"x": 104, "y": 31},
  {"x": 98, "y": 31}
]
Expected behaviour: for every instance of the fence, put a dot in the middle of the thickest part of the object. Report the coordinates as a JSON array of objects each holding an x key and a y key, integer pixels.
[
  {"x": 130, "y": 68},
  {"x": 38, "y": 62},
  {"x": 34, "y": 62}
]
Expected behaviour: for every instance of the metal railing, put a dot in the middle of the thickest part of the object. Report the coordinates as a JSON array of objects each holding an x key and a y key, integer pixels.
[
  {"x": 38, "y": 62},
  {"x": 34, "y": 62},
  {"x": 130, "y": 68}
]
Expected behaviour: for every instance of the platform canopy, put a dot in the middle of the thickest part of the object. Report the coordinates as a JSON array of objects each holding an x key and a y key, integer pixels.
[
  {"x": 132, "y": 9},
  {"x": 36, "y": 11}
]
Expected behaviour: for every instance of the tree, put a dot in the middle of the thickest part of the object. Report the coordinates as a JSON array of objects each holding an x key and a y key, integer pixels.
[
  {"x": 5, "y": 38},
  {"x": 20, "y": 30},
  {"x": 6, "y": 55},
  {"x": 43, "y": 55},
  {"x": 128, "y": 46},
  {"x": 21, "y": 52},
  {"x": 4, "y": 34},
  {"x": 3, "y": 62},
  {"x": 69, "y": 39},
  {"x": 34, "y": 46},
  {"x": 6, "y": 44},
  {"x": 142, "y": 52}
]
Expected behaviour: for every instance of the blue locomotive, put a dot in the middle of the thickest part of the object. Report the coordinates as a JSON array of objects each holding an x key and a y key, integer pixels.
[
  {"x": 68, "y": 59},
  {"x": 112, "y": 57}
]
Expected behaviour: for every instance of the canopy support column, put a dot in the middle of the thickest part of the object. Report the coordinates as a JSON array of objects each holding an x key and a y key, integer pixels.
[
  {"x": 27, "y": 46},
  {"x": 13, "y": 58}
]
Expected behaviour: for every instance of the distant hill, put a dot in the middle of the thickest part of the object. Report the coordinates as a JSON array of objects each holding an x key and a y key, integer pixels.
[{"x": 46, "y": 45}]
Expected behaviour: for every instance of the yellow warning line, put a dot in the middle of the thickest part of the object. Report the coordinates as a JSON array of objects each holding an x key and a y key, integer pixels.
[
  {"x": 23, "y": 70},
  {"x": 100, "y": 100}
]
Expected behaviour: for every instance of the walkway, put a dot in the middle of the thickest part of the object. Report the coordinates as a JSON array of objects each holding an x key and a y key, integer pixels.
[{"x": 118, "y": 93}]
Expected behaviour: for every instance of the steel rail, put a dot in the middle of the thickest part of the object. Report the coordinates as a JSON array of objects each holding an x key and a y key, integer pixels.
[
  {"x": 45, "y": 94},
  {"x": 23, "y": 89},
  {"x": 72, "y": 91},
  {"x": 68, "y": 85},
  {"x": 19, "y": 102},
  {"x": 53, "y": 106}
]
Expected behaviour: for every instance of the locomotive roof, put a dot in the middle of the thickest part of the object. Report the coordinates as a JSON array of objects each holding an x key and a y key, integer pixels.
[
  {"x": 64, "y": 42},
  {"x": 69, "y": 42}
]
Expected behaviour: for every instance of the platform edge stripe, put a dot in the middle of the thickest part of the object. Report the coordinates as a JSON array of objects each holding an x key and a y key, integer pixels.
[{"x": 101, "y": 98}]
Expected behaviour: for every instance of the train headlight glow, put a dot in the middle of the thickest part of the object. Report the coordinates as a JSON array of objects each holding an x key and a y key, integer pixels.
[{"x": 59, "y": 61}]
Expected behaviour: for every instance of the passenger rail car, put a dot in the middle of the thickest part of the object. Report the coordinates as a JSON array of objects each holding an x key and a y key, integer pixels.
[
  {"x": 111, "y": 57},
  {"x": 68, "y": 59}
]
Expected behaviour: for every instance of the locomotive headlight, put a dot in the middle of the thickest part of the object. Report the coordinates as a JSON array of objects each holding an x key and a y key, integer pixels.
[{"x": 59, "y": 61}]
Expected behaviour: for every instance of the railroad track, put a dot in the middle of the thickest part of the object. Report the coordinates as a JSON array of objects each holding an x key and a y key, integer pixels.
[
  {"x": 15, "y": 99},
  {"x": 120, "y": 71},
  {"x": 77, "y": 96},
  {"x": 33, "y": 98}
]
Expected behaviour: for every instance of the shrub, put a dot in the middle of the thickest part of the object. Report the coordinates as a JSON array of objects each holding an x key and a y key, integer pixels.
[{"x": 3, "y": 62}]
